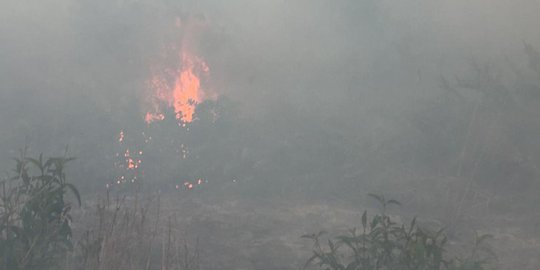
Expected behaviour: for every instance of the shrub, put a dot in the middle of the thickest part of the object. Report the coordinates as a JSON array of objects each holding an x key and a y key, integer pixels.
[
  {"x": 35, "y": 229},
  {"x": 386, "y": 245}
]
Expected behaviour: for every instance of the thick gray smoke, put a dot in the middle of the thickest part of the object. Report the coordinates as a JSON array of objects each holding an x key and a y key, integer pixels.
[
  {"x": 366, "y": 73},
  {"x": 434, "y": 103}
]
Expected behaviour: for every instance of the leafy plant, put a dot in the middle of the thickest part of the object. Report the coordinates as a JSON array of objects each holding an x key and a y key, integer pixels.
[
  {"x": 35, "y": 220},
  {"x": 386, "y": 244}
]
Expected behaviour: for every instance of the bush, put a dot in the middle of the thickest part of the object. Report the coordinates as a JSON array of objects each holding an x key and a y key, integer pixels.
[
  {"x": 35, "y": 229},
  {"x": 386, "y": 245}
]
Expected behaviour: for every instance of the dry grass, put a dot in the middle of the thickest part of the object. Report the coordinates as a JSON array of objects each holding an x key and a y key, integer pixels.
[{"x": 129, "y": 233}]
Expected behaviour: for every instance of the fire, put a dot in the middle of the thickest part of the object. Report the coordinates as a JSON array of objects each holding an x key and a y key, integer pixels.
[
  {"x": 151, "y": 117},
  {"x": 178, "y": 82},
  {"x": 129, "y": 161},
  {"x": 186, "y": 93},
  {"x": 189, "y": 185},
  {"x": 182, "y": 95},
  {"x": 180, "y": 88},
  {"x": 121, "y": 136}
]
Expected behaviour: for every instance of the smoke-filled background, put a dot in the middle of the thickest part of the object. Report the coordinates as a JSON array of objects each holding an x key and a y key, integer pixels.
[{"x": 434, "y": 103}]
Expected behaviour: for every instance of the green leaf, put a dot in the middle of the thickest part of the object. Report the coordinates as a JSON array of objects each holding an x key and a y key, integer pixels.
[
  {"x": 75, "y": 192},
  {"x": 353, "y": 265},
  {"x": 413, "y": 223},
  {"x": 364, "y": 219},
  {"x": 393, "y": 202},
  {"x": 482, "y": 238},
  {"x": 309, "y": 236},
  {"x": 37, "y": 163},
  {"x": 331, "y": 245},
  {"x": 377, "y": 197},
  {"x": 311, "y": 259}
]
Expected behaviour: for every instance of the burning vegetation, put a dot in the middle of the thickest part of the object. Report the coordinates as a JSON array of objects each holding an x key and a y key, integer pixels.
[
  {"x": 175, "y": 88},
  {"x": 179, "y": 87},
  {"x": 215, "y": 141},
  {"x": 182, "y": 93}
]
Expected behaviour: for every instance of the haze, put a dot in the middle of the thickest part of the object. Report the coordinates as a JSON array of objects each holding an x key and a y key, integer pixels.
[{"x": 307, "y": 106}]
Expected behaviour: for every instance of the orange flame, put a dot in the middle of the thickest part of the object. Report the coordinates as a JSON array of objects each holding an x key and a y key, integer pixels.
[
  {"x": 179, "y": 88},
  {"x": 121, "y": 136},
  {"x": 187, "y": 91},
  {"x": 183, "y": 96},
  {"x": 151, "y": 117}
]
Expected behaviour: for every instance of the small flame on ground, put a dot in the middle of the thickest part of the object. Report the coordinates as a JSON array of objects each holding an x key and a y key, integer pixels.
[
  {"x": 189, "y": 185},
  {"x": 151, "y": 117},
  {"x": 121, "y": 136},
  {"x": 129, "y": 162}
]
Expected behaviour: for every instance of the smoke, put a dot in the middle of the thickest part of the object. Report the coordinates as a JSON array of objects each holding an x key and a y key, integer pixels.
[
  {"x": 259, "y": 50},
  {"x": 75, "y": 70}
]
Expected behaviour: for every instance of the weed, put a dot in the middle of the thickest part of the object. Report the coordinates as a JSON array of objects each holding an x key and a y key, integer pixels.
[
  {"x": 35, "y": 220},
  {"x": 387, "y": 245}
]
